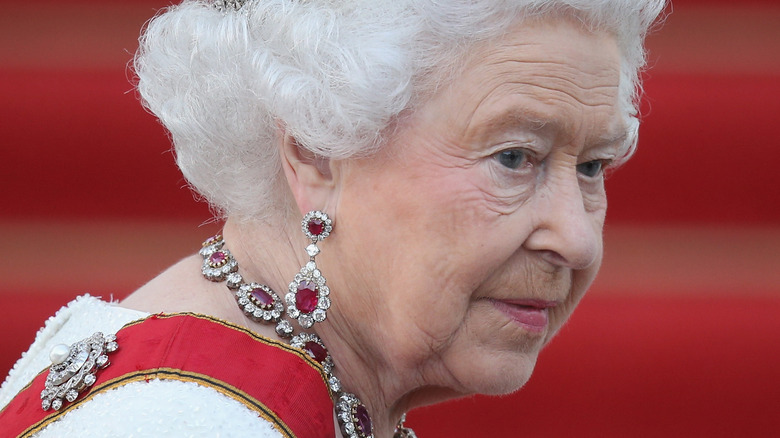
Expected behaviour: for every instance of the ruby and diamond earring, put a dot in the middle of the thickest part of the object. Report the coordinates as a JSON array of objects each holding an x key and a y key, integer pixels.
[{"x": 308, "y": 295}]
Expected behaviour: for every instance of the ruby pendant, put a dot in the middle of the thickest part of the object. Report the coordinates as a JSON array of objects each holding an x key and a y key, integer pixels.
[{"x": 306, "y": 298}]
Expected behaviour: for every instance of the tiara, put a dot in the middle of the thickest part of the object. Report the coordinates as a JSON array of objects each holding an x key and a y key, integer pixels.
[{"x": 229, "y": 5}]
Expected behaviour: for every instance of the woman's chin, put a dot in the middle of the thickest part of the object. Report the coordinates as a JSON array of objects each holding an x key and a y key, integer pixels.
[
  {"x": 500, "y": 375},
  {"x": 506, "y": 385}
]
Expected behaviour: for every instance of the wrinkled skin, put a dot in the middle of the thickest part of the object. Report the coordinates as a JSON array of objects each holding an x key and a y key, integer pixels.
[{"x": 487, "y": 204}]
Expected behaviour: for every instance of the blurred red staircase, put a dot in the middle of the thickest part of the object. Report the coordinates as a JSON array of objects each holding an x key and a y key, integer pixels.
[{"x": 678, "y": 337}]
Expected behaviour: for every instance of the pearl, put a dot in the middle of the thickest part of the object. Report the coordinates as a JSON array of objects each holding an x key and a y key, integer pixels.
[{"x": 59, "y": 354}]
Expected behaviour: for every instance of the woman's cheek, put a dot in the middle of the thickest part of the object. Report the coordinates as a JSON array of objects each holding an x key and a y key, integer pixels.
[{"x": 594, "y": 200}]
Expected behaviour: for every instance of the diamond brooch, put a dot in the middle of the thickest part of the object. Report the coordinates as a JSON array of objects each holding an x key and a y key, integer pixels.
[{"x": 74, "y": 369}]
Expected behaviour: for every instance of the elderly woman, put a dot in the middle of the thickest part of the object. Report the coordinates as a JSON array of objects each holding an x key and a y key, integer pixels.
[{"x": 448, "y": 160}]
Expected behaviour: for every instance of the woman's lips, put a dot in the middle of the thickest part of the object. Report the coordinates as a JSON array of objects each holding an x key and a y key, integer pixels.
[{"x": 531, "y": 314}]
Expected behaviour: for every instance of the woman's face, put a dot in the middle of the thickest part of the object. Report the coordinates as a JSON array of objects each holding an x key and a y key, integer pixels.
[{"x": 462, "y": 247}]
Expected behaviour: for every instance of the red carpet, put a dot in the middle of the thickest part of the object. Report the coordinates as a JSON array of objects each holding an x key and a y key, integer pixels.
[
  {"x": 644, "y": 356},
  {"x": 707, "y": 153},
  {"x": 85, "y": 148}
]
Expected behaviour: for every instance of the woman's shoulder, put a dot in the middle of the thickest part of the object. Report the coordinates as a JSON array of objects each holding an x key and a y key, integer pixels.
[
  {"x": 75, "y": 321},
  {"x": 153, "y": 406},
  {"x": 160, "y": 408}
]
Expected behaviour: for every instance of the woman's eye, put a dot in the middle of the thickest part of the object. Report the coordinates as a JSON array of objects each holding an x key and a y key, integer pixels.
[
  {"x": 591, "y": 168},
  {"x": 512, "y": 158}
]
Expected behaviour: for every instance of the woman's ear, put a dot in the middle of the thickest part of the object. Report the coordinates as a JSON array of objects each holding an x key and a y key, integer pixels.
[{"x": 309, "y": 176}]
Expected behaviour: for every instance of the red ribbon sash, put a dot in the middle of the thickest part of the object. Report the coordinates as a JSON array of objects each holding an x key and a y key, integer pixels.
[{"x": 282, "y": 384}]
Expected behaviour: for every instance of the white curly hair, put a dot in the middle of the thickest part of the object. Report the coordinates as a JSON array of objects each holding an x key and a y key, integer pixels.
[{"x": 334, "y": 73}]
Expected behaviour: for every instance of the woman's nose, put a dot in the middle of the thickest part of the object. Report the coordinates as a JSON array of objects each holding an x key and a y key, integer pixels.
[{"x": 567, "y": 233}]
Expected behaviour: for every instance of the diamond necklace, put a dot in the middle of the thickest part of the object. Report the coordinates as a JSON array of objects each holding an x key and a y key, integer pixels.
[{"x": 263, "y": 305}]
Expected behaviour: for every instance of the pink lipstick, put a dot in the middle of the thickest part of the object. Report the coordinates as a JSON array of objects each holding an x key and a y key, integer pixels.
[{"x": 531, "y": 314}]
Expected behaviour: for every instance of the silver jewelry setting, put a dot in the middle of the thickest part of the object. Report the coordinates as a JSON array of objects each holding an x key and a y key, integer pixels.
[
  {"x": 218, "y": 263},
  {"x": 304, "y": 342},
  {"x": 402, "y": 431},
  {"x": 321, "y": 220},
  {"x": 74, "y": 368},
  {"x": 259, "y": 302},
  {"x": 308, "y": 279},
  {"x": 353, "y": 417},
  {"x": 226, "y": 5}
]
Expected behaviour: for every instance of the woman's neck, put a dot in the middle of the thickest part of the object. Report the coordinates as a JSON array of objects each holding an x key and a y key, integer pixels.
[{"x": 272, "y": 255}]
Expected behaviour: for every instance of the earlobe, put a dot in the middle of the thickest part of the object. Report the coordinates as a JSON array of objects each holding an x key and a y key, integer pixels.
[{"x": 308, "y": 175}]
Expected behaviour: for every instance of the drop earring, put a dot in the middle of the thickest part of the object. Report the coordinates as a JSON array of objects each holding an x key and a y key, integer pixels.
[{"x": 308, "y": 295}]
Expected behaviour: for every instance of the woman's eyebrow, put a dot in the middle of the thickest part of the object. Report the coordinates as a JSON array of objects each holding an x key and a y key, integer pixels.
[{"x": 515, "y": 118}]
